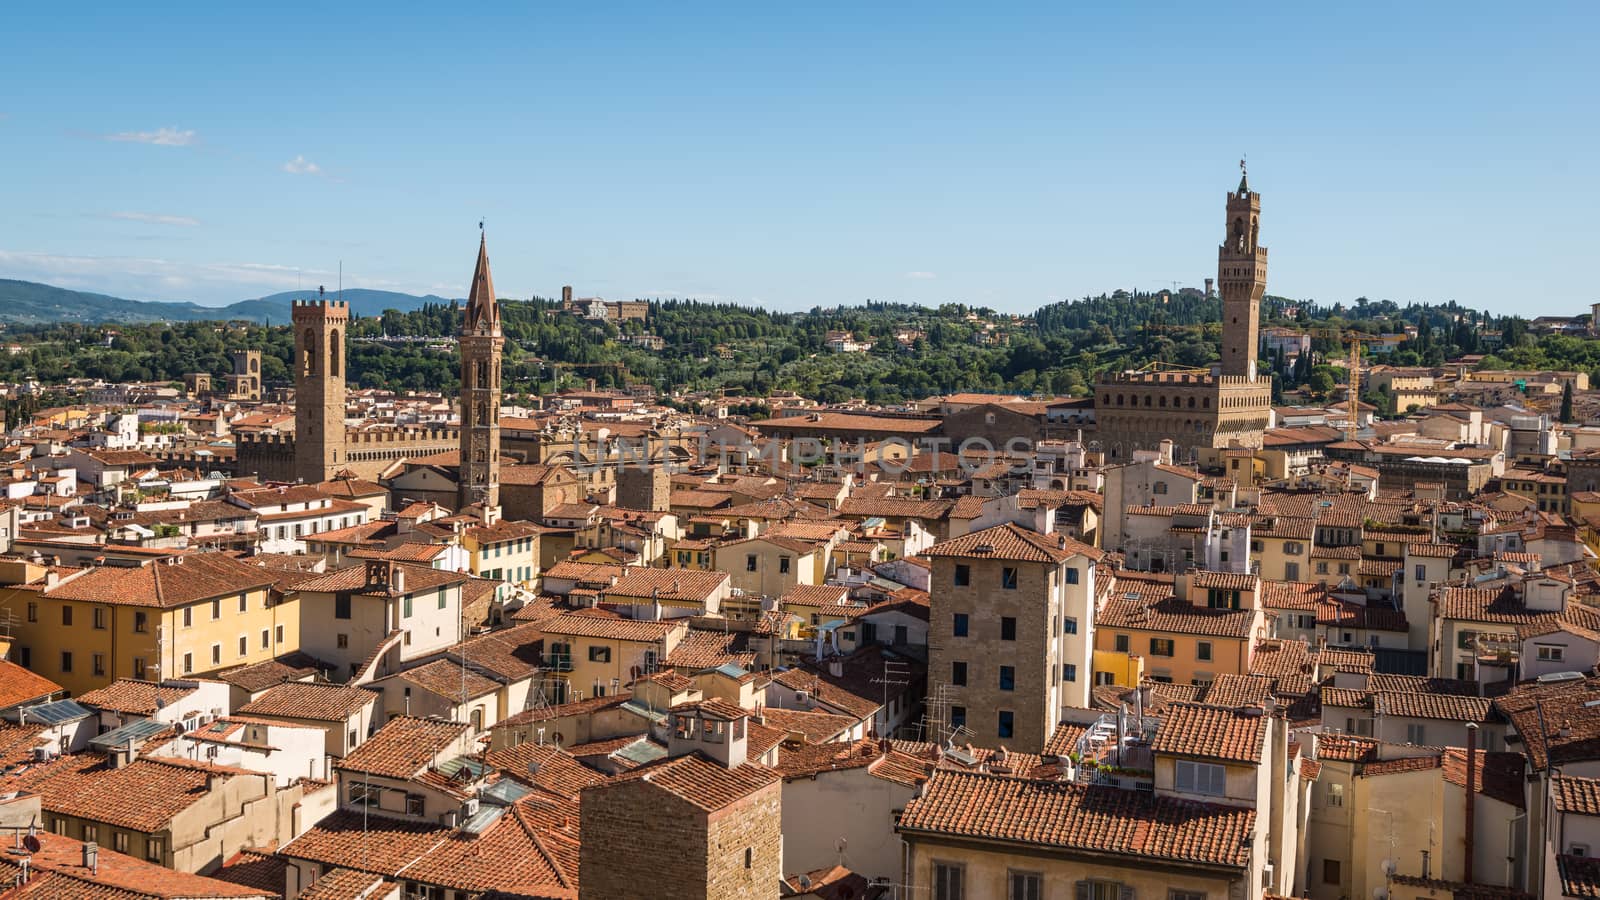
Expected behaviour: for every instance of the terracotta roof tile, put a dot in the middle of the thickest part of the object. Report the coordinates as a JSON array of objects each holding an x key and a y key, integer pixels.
[
  {"x": 186, "y": 578},
  {"x": 1211, "y": 732},
  {"x": 310, "y": 700},
  {"x": 1013, "y": 542},
  {"x": 1067, "y": 815},
  {"x": 404, "y": 746}
]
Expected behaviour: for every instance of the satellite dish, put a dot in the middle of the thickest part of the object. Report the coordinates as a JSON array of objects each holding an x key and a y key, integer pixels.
[{"x": 31, "y": 842}]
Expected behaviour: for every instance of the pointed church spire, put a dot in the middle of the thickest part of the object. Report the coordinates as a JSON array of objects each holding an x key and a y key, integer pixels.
[
  {"x": 1244, "y": 178},
  {"x": 481, "y": 305}
]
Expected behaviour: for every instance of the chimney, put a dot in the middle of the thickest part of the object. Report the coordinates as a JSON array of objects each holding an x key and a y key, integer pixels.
[
  {"x": 91, "y": 857},
  {"x": 1472, "y": 800}
]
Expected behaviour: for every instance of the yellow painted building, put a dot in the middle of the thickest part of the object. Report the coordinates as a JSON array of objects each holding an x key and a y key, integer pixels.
[
  {"x": 193, "y": 614},
  {"x": 504, "y": 551}
]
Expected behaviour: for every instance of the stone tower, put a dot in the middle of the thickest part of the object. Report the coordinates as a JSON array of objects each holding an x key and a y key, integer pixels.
[
  {"x": 481, "y": 342},
  {"x": 319, "y": 433},
  {"x": 1242, "y": 275}
]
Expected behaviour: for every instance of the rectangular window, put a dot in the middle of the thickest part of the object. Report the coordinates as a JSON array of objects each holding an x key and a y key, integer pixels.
[
  {"x": 750, "y": 563},
  {"x": 1100, "y": 890},
  {"x": 1203, "y": 651},
  {"x": 138, "y": 667},
  {"x": 1161, "y": 647},
  {"x": 1071, "y": 625},
  {"x": 600, "y": 654},
  {"x": 783, "y": 565},
  {"x": 216, "y": 654},
  {"x": 188, "y": 663},
  {"x": 963, "y": 575},
  {"x": 1335, "y": 794},
  {"x": 119, "y": 841},
  {"x": 958, "y": 673},
  {"x": 1330, "y": 871},
  {"x": 1421, "y": 573},
  {"x": 100, "y": 617},
  {"x": 958, "y": 717},
  {"x": 244, "y": 603},
  {"x": 266, "y": 639},
  {"x": 1291, "y": 571},
  {"x": 1122, "y": 643},
  {"x": 1008, "y": 578},
  {"x": 1008, "y": 628},
  {"x": 91, "y": 833},
  {"x": 141, "y": 622},
  {"x": 342, "y": 641},
  {"x": 1008, "y": 678},
  {"x": 949, "y": 881},
  {"x": 1549, "y": 653},
  {"x": 188, "y": 616},
  {"x": 244, "y": 645},
  {"x": 33, "y": 612},
  {"x": 1072, "y": 575},
  {"x": 278, "y": 634},
  {"x": 1416, "y": 734},
  {"x": 442, "y": 603},
  {"x": 959, "y": 626},
  {"x": 66, "y": 660},
  {"x": 66, "y": 614},
  {"x": 216, "y": 608},
  {"x": 1200, "y": 778},
  {"x": 414, "y": 804},
  {"x": 1024, "y": 886},
  {"x": 1004, "y": 726},
  {"x": 1069, "y": 672},
  {"x": 99, "y": 663},
  {"x": 341, "y": 606},
  {"x": 154, "y": 849},
  {"x": 405, "y": 606},
  {"x": 1175, "y": 894}
]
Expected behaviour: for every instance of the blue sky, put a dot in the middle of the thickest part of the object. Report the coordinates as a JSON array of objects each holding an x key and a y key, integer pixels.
[{"x": 806, "y": 155}]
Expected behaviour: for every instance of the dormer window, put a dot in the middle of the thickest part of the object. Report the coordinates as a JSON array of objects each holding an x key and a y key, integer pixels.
[{"x": 711, "y": 731}]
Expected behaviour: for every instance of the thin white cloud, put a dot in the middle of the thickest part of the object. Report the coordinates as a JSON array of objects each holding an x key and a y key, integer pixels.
[
  {"x": 154, "y": 219},
  {"x": 921, "y": 276},
  {"x": 166, "y": 279},
  {"x": 161, "y": 137},
  {"x": 302, "y": 166}
]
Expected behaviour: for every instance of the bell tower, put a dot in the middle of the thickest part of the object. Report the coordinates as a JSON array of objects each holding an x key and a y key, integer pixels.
[
  {"x": 1242, "y": 276},
  {"x": 481, "y": 341},
  {"x": 319, "y": 371}
]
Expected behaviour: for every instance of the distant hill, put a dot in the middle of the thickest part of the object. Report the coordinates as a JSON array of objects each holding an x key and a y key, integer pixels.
[{"x": 29, "y": 302}]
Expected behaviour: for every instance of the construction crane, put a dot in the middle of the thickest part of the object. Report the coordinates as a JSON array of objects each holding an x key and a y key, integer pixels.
[{"x": 1352, "y": 339}]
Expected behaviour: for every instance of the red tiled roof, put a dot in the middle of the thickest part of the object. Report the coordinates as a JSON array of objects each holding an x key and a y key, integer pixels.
[
  {"x": 404, "y": 746},
  {"x": 1211, "y": 732},
  {"x": 310, "y": 700},
  {"x": 1098, "y": 819},
  {"x": 701, "y": 782},
  {"x": 185, "y": 579}
]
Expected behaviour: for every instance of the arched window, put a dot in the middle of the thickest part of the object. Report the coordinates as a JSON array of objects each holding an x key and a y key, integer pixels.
[
  {"x": 481, "y": 374},
  {"x": 1238, "y": 234},
  {"x": 334, "y": 346},
  {"x": 308, "y": 363}
]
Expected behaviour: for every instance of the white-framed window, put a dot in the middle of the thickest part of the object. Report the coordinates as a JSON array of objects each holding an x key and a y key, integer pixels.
[
  {"x": 1550, "y": 652},
  {"x": 1335, "y": 794},
  {"x": 1200, "y": 778}
]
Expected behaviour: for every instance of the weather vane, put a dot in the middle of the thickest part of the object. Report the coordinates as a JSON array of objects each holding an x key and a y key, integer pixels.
[{"x": 1242, "y": 169}]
